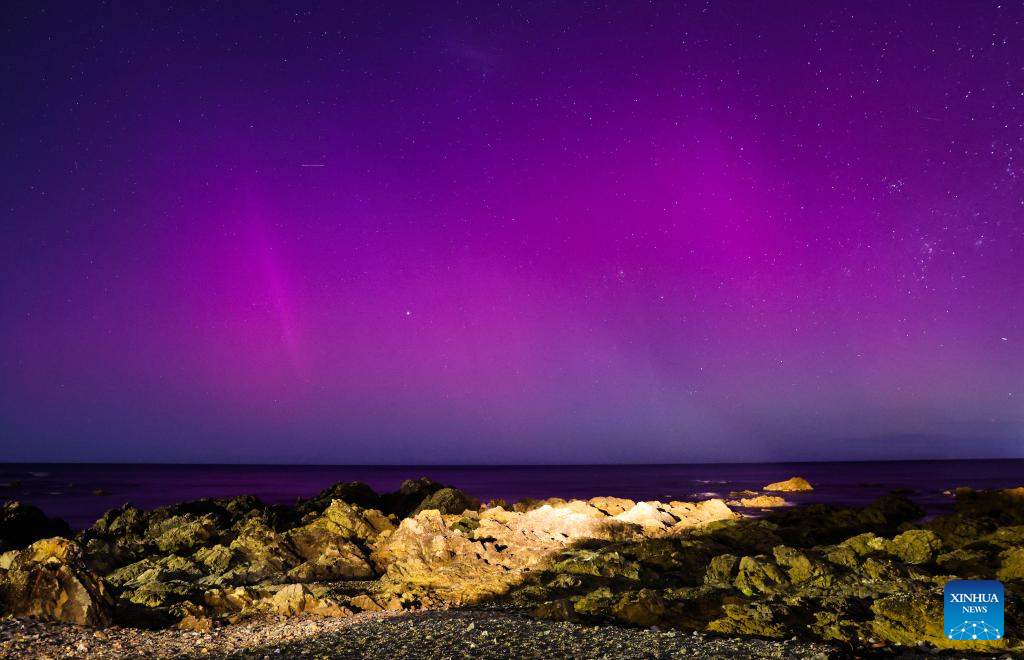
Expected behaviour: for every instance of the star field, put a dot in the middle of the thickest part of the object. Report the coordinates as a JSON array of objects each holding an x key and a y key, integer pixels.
[{"x": 512, "y": 233}]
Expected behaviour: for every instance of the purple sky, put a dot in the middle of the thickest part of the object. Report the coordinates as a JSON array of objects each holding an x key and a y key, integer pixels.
[{"x": 516, "y": 233}]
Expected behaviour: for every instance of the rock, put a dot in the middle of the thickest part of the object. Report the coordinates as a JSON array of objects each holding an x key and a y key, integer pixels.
[
  {"x": 611, "y": 506},
  {"x": 50, "y": 580},
  {"x": 432, "y": 551},
  {"x": 596, "y": 603},
  {"x": 759, "y": 575},
  {"x": 749, "y": 619},
  {"x": 915, "y": 546},
  {"x": 23, "y": 524},
  {"x": 971, "y": 564},
  {"x": 640, "y": 608},
  {"x": 555, "y": 610},
  {"x": 791, "y": 485},
  {"x": 802, "y": 568},
  {"x": 599, "y": 563},
  {"x": 648, "y": 515},
  {"x": 364, "y": 603},
  {"x": 409, "y": 496},
  {"x": 298, "y": 599},
  {"x": 865, "y": 544},
  {"x": 355, "y": 492},
  {"x": 912, "y": 617},
  {"x": 691, "y": 514},
  {"x": 332, "y": 544},
  {"x": 194, "y": 623},
  {"x": 722, "y": 571},
  {"x": 259, "y": 554},
  {"x": 1011, "y": 565},
  {"x": 184, "y": 533},
  {"x": 759, "y": 502},
  {"x": 448, "y": 501}
]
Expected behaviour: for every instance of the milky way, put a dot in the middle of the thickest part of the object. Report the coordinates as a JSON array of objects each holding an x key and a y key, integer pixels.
[{"x": 544, "y": 232}]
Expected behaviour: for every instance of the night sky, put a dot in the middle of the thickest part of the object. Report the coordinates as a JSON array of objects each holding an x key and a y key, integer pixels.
[{"x": 527, "y": 232}]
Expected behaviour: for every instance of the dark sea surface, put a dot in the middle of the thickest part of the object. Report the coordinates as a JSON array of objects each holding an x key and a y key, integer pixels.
[{"x": 66, "y": 490}]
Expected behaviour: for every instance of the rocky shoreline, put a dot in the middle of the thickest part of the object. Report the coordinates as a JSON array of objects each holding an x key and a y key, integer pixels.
[{"x": 342, "y": 573}]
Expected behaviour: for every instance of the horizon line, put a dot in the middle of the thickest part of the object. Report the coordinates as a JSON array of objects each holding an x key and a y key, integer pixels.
[{"x": 514, "y": 465}]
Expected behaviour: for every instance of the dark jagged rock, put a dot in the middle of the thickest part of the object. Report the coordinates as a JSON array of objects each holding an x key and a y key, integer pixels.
[
  {"x": 22, "y": 524},
  {"x": 409, "y": 496},
  {"x": 448, "y": 501},
  {"x": 354, "y": 492}
]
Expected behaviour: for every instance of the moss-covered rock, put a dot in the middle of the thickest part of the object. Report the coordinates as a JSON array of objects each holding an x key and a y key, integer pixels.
[
  {"x": 722, "y": 571},
  {"x": 1011, "y": 565},
  {"x": 915, "y": 546},
  {"x": 750, "y": 619},
  {"x": 645, "y": 607},
  {"x": 759, "y": 575}
]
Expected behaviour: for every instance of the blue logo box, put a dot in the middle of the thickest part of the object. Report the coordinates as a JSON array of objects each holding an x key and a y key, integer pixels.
[{"x": 973, "y": 610}]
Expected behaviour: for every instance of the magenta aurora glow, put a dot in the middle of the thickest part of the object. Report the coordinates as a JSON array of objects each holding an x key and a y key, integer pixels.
[{"x": 527, "y": 233}]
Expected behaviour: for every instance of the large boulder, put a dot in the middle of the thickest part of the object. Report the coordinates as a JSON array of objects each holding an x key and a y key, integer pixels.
[
  {"x": 334, "y": 546},
  {"x": 22, "y": 524},
  {"x": 791, "y": 485},
  {"x": 436, "y": 552},
  {"x": 50, "y": 580}
]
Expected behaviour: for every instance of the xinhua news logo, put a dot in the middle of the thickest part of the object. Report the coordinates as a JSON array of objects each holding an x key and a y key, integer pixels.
[{"x": 973, "y": 610}]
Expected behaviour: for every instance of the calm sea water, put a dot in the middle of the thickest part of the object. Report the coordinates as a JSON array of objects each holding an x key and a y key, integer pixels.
[{"x": 66, "y": 490}]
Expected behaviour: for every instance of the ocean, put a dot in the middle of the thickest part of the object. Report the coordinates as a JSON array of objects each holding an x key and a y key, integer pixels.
[{"x": 80, "y": 493}]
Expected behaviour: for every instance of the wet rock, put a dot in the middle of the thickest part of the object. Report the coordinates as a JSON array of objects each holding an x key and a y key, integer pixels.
[
  {"x": 791, "y": 485},
  {"x": 50, "y": 580}
]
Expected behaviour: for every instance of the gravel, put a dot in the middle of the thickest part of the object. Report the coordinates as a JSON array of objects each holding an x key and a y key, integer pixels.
[{"x": 432, "y": 634}]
